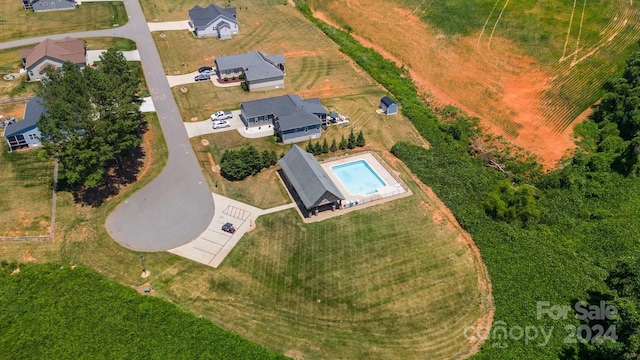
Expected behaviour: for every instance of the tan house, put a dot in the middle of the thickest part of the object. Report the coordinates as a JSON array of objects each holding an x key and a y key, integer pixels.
[{"x": 52, "y": 53}]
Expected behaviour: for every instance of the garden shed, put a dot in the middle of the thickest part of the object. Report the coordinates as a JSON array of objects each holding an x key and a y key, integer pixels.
[{"x": 388, "y": 106}]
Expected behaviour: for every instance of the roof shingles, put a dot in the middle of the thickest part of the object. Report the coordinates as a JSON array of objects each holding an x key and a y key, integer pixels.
[{"x": 311, "y": 182}]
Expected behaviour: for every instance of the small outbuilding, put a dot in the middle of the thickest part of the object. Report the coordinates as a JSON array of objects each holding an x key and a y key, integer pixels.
[
  {"x": 388, "y": 106},
  {"x": 25, "y": 133},
  {"x": 312, "y": 188}
]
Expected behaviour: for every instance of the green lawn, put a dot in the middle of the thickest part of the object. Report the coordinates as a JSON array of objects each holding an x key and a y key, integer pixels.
[
  {"x": 25, "y": 194},
  {"x": 377, "y": 283},
  {"x": 17, "y": 23}
]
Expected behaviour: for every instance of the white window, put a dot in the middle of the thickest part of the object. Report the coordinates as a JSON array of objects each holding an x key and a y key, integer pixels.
[{"x": 33, "y": 136}]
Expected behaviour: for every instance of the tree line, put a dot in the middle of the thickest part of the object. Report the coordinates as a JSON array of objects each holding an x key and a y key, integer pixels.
[{"x": 350, "y": 142}]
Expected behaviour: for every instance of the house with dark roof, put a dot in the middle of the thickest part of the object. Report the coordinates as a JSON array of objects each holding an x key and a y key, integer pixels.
[
  {"x": 25, "y": 133},
  {"x": 388, "y": 106},
  {"x": 260, "y": 71},
  {"x": 52, "y": 53},
  {"x": 213, "y": 21},
  {"x": 311, "y": 185},
  {"x": 48, "y": 5},
  {"x": 292, "y": 118}
]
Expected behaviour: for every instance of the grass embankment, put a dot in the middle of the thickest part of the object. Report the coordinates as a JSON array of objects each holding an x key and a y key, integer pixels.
[
  {"x": 58, "y": 312},
  {"x": 18, "y": 23},
  {"x": 560, "y": 259}
]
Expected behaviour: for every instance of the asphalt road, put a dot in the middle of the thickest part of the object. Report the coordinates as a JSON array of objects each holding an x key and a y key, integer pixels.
[{"x": 177, "y": 206}]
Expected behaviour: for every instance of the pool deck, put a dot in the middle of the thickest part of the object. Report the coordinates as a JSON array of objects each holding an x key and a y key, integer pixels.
[
  {"x": 374, "y": 164},
  {"x": 360, "y": 201}
]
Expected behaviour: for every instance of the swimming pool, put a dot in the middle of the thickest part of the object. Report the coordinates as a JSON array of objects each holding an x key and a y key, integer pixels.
[{"x": 358, "y": 177}]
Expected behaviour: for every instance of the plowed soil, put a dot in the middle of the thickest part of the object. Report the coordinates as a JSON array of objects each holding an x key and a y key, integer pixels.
[{"x": 495, "y": 83}]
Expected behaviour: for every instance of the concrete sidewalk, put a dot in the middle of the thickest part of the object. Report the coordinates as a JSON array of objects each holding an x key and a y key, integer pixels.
[
  {"x": 169, "y": 25},
  {"x": 213, "y": 245}
]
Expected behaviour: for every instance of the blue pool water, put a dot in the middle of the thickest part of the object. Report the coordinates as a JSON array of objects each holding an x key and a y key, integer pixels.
[{"x": 358, "y": 177}]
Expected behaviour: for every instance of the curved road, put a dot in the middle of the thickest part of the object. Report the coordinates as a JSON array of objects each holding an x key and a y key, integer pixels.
[{"x": 177, "y": 206}]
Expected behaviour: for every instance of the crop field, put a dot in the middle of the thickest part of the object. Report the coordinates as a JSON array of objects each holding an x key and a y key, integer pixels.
[
  {"x": 528, "y": 70},
  {"x": 17, "y": 23}
]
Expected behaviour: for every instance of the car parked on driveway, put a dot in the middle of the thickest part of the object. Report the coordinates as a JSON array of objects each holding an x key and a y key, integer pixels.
[
  {"x": 221, "y": 115},
  {"x": 228, "y": 227},
  {"x": 202, "y": 69},
  {"x": 219, "y": 124},
  {"x": 202, "y": 77}
]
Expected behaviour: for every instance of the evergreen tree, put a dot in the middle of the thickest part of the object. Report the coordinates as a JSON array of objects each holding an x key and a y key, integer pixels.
[
  {"x": 334, "y": 146},
  {"x": 351, "y": 143},
  {"x": 310, "y": 147},
  {"x": 343, "y": 143},
  {"x": 360, "y": 139},
  {"x": 325, "y": 146}
]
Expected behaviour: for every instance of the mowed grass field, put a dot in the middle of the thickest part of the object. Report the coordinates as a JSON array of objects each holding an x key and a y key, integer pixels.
[
  {"x": 17, "y": 23},
  {"x": 25, "y": 194},
  {"x": 370, "y": 284},
  {"x": 527, "y": 69},
  {"x": 388, "y": 281}
]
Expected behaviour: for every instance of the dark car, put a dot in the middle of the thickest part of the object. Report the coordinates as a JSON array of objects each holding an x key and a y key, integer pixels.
[
  {"x": 202, "y": 77},
  {"x": 228, "y": 227},
  {"x": 202, "y": 69}
]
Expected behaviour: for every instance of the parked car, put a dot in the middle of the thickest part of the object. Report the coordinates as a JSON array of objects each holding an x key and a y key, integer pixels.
[
  {"x": 221, "y": 115},
  {"x": 202, "y": 77},
  {"x": 219, "y": 124},
  {"x": 202, "y": 69},
  {"x": 228, "y": 227}
]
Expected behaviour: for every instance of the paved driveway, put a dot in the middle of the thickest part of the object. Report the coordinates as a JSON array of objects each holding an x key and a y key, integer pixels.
[
  {"x": 176, "y": 207},
  {"x": 169, "y": 25},
  {"x": 213, "y": 245},
  {"x": 94, "y": 55},
  {"x": 175, "y": 80},
  {"x": 206, "y": 126}
]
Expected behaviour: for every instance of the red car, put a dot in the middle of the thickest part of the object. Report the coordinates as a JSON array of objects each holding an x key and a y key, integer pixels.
[{"x": 228, "y": 227}]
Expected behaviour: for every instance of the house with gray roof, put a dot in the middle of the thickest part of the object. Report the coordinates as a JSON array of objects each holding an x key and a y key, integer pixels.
[
  {"x": 213, "y": 21},
  {"x": 25, "y": 133},
  {"x": 52, "y": 53},
  {"x": 311, "y": 185},
  {"x": 260, "y": 71},
  {"x": 49, "y": 5},
  {"x": 292, "y": 118}
]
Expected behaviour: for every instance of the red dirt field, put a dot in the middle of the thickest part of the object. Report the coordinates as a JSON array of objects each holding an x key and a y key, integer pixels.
[{"x": 497, "y": 84}]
